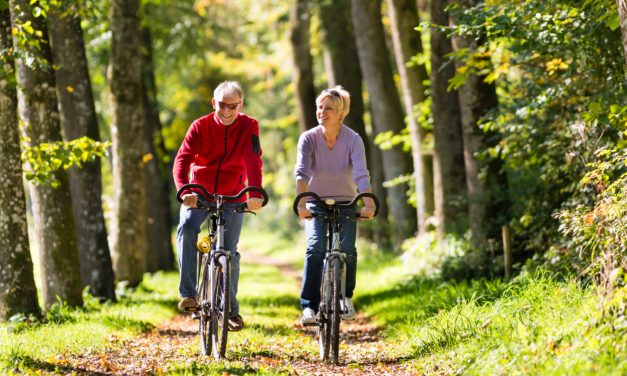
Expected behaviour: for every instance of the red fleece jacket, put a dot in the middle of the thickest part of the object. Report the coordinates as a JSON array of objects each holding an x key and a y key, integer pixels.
[{"x": 221, "y": 158}]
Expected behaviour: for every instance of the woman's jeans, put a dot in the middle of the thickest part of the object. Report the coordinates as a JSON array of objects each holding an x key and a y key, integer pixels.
[
  {"x": 316, "y": 231},
  {"x": 186, "y": 238}
]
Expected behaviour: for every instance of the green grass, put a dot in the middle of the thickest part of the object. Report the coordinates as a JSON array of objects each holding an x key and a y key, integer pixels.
[{"x": 533, "y": 325}]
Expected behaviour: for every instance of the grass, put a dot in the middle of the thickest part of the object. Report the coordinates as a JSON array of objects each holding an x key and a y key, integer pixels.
[{"x": 533, "y": 325}]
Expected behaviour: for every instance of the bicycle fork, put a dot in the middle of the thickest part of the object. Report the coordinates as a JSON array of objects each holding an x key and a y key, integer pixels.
[{"x": 335, "y": 254}]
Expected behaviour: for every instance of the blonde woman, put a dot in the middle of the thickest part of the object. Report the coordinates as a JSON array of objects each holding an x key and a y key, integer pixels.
[{"x": 331, "y": 162}]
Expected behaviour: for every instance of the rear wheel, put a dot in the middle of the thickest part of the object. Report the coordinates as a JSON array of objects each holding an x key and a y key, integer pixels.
[
  {"x": 336, "y": 290},
  {"x": 204, "y": 324},
  {"x": 220, "y": 307}
]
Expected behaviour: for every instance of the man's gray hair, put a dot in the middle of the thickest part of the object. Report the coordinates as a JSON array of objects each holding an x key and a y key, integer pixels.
[{"x": 229, "y": 88}]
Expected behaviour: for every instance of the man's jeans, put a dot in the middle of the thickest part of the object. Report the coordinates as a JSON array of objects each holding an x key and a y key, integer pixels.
[
  {"x": 186, "y": 238},
  {"x": 316, "y": 231}
]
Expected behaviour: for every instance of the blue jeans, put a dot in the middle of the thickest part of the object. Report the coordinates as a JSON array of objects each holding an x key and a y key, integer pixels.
[
  {"x": 186, "y": 238},
  {"x": 316, "y": 231}
]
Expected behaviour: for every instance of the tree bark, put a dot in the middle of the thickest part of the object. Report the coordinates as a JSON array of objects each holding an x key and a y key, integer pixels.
[
  {"x": 387, "y": 111},
  {"x": 159, "y": 254},
  {"x": 127, "y": 137},
  {"x": 622, "y": 13},
  {"x": 476, "y": 98},
  {"x": 303, "y": 65},
  {"x": 448, "y": 159},
  {"x": 78, "y": 119},
  {"x": 407, "y": 44},
  {"x": 52, "y": 207},
  {"x": 18, "y": 293},
  {"x": 342, "y": 66}
]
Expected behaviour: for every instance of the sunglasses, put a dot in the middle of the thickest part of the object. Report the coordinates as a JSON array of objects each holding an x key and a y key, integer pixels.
[
  {"x": 230, "y": 106},
  {"x": 333, "y": 92}
]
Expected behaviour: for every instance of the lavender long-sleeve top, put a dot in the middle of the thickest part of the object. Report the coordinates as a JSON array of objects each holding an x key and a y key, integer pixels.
[{"x": 332, "y": 173}]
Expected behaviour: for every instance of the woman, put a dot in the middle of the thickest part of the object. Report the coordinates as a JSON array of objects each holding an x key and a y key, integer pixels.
[{"x": 331, "y": 162}]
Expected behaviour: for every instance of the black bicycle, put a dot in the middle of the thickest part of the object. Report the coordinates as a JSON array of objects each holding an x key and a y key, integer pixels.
[
  {"x": 333, "y": 285},
  {"x": 214, "y": 269}
]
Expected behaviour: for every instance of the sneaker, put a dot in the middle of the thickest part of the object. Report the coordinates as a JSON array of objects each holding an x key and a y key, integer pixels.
[
  {"x": 188, "y": 304},
  {"x": 348, "y": 313},
  {"x": 308, "y": 317},
  {"x": 236, "y": 323}
]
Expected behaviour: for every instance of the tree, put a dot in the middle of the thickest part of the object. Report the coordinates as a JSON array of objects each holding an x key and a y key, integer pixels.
[
  {"x": 78, "y": 119},
  {"x": 448, "y": 159},
  {"x": 622, "y": 12},
  {"x": 52, "y": 207},
  {"x": 342, "y": 66},
  {"x": 158, "y": 254},
  {"x": 18, "y": 293},
  {"x": 303, "y": 66},
  {"x": 386, "y": 108},
  {"x": 127, "y": 137},
  {"x": 407, "y": 44}
]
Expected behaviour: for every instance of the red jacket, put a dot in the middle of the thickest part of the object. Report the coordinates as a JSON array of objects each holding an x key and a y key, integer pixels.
[{"x": 221, "y": 158}]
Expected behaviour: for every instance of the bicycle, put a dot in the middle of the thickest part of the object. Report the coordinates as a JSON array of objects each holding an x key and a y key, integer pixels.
[
  {"x": 333, "y": 285},
  {"x": 214, "y": 269}
]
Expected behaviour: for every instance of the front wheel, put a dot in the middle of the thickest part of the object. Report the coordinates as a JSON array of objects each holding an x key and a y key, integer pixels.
[
  {"x": 336, "y": 291},
  {"x": 204, "y": 313},
  {"x": 220, "y": 307}
]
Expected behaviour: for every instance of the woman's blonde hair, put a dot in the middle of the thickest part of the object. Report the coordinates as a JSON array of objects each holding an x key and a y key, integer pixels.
[{"x": 340, "y": 100}]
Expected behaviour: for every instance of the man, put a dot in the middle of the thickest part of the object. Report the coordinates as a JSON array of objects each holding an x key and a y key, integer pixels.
[{"x": 220, "y": 151}]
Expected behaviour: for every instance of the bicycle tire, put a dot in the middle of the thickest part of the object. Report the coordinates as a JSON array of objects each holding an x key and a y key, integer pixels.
[
  {"x": 221, "y": 306},
  {"x": 204, "y": 322},
  {"x": 336, "y": 291},
  {"x": 324, "y": 317}
]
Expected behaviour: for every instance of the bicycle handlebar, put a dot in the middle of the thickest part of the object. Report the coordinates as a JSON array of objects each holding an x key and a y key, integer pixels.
[
  {"x": 338, "y": 205},
  {"x": 211, "y": 196}
]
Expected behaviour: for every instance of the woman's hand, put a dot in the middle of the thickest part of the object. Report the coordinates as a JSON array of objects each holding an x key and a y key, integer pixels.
[
  {"x": 303, "y": 212},
  {"x": 366, "y": 213}
]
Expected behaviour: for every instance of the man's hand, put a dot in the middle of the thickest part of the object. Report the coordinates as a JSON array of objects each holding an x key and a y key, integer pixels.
[
  {"x": 254, "y": 203},
  {"x": 190, "y": 200},
  {"x": 367, "y": 212},
  {"x": 304, "y": 213}
]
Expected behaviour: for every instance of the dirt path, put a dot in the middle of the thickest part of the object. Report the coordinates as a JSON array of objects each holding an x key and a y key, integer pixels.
[{"x": 150, "y": 353}]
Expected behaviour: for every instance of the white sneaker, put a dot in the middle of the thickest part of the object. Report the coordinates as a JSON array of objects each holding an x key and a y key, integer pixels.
[
  {"x": 308, "y": 317},
  {"x": 348, "y": 313}
]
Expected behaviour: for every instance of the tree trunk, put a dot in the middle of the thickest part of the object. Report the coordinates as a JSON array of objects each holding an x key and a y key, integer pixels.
[
  {"x": 127, "y": 136},
  {"x": 407, "y": 44},
  {"x": 18, "y": 293},
  {"x": 448, "y": 157},
  {"x": 476, "y": 98},
  {"x": 52, "y": 207},
  {"x": 387, "y": 111},
  {"x": 158, "y": 254},
  {"x": 78, "y": 119},
  {"x": 622, "y": 13},
  {"x": 303, "y": 65},
  {"x": 342, "y": 66}
]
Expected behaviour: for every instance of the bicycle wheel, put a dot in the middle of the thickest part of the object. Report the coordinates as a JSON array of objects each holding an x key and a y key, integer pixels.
[
  {"x": 220, "y": 307},
  {"x": 204, "y": 322},
  {"x": 336, "y": 290},
  {"x": 324, "y": 323}
]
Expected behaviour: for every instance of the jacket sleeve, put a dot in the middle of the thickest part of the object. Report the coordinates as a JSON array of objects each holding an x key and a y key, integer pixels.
[
  {"x": 252, "y": 157},
  {"x": 186, "y": 154}
]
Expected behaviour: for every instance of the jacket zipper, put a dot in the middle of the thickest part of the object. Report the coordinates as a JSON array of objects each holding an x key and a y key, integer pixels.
[{"x": 226, "y": 130}]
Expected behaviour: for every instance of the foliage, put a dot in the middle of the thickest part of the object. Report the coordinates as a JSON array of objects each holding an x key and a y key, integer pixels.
[
  {"x": 559, "y": 71},
  {"x": 45, "y": 159}
]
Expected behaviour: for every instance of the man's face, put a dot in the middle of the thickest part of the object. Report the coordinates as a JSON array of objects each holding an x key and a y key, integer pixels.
[{"x": 227, "y": 107}]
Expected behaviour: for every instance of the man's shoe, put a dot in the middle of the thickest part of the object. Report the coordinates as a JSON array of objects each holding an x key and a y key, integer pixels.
[
  {"x": 236, "y": 323},
  {"x": 188, "y": 304},
  {"x": 348, "y": 313},
  {"x": 308, "y": 317}
]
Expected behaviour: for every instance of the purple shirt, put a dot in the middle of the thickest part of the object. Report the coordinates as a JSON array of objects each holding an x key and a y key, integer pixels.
[{"x": 332, "y": 173}]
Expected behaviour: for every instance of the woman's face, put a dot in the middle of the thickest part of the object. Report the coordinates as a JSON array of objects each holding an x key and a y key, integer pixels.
[
  {"x": 227, "y": 108},
  {"x": 326, "y": 114}
]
